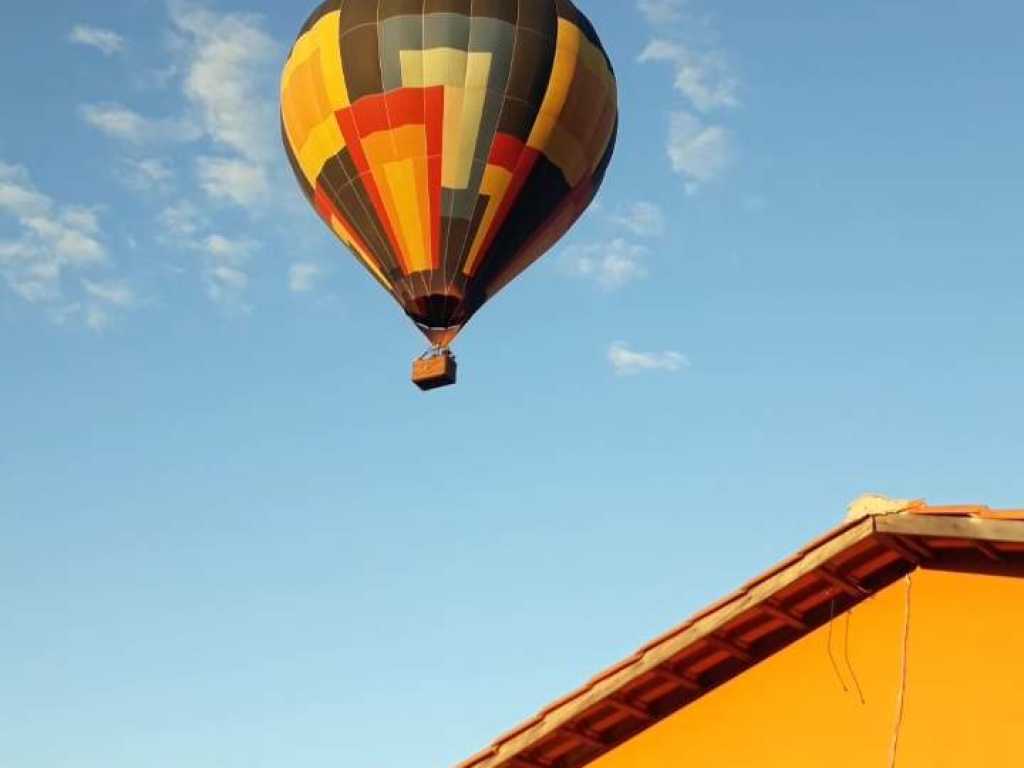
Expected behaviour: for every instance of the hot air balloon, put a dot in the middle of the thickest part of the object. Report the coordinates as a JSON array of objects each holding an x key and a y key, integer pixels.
[{"x": 448, "y": 143}]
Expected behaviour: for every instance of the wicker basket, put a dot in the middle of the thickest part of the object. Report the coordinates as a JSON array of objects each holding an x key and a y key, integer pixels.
[{"x": 434, "y": 372}]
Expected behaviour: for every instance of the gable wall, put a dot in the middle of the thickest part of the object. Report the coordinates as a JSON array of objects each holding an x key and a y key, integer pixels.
[{"x": 834, "y": 698}]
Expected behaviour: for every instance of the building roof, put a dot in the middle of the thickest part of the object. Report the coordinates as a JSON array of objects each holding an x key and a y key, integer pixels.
[{"x": 881, "y": 541}]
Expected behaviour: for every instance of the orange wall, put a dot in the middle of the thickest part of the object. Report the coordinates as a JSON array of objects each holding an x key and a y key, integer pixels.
[{"x": 963, "y": 702}]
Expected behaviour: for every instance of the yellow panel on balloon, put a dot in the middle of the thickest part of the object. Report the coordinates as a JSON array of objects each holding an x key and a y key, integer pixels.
[
  {"x": 328, "y": 36},
  {"x": 324, "y": 142},
  {"x": 562, "y": 73},
  {"x": 401, "y": 177}
]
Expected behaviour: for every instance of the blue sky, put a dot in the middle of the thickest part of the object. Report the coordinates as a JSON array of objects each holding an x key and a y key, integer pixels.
[{"x": 233, "y": 534}]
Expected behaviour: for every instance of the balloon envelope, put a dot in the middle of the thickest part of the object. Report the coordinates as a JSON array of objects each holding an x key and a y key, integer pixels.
[{"x": 448, "y": 143}]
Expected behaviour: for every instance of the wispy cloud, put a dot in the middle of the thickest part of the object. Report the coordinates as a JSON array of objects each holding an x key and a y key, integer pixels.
[
  {"x": 304, "y": 276},
  {"x": 658, "y": 12},
  {"x": 103, "y": 40},
  {"x": 228, "y": 54},
  {"x": 225, "y": 66},
  {"x": 102, "y": 298},
  {"x": 224, "y": 270},
  {"x": 115, "y": 292},
  {"x": 699, "y": 147},
  {"x": 234, "y": 180},
  {"x": 59, "y": 236},
  {"x": 611, "y": 265},
  {"x": 54, "y": 241},
  {"x": 229, "y": 63},
  {"x": 119, "y": 122},
  {"x": 626, "y": 362},
  {"x": 697, "y": 151},
  {"x": 146, "y": 174},
  {"x": 643, "y": 219},
  {"x": 224, "y": 261},
  {"x": 180, "y": 220},
  {"x": 703, "y": 78}
]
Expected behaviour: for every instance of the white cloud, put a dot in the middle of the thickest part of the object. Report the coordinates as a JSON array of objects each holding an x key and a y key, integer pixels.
[
  {"x": 80, "y": 218},
  {"x": 697, "y": 151},
  {"x": 72, "y": 244},
  {"x": 659, "y": 12},
  {"x": 17, "y": 197},
  {"x": 227, "y": 286},
  {"x": 53, "y": 242},
  {"x": 227, "y": 67},
  {"x": 228, "y": 251},
  {"x": 303, "y": 277},
  {"x": 223, "y": 260},
  {"x": 611, "y": 265},
  {"x": 233, "y": 180},
  {"x": 230, "y": 69},
  {"x": 643, "y": 219},
  {"x": 31, "y": 272},
  {"x": 121, "y": 123},
  {"x": 116, "y": 293},
  {"x": 65, "y": 233},
  {"x": 228, "y": 63},
  {"x": 626, "y": 362},
  {"x": 103, "y": 296},
  {"x": 224, "y": 280},
  {"x": 116, "y": 121},
  {"x": 181, "y": 219},
  {"x": 103, "y": 40},
  {"x": 146, "y": 174},
  {"x": 704, "y": 78},
  {"x": 224, "y": 274}
]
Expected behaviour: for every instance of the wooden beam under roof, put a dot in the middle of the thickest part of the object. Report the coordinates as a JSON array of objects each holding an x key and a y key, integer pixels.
[
  {"x": 733, "y": 649},
  {"x": 525, "y": 762},
  {"x": 624, "y": 705},
  {"x": 893, "y": 544},
  {"x": 987, "y": 550},
  {"x": 682, "y": 680},
  {"x": 844, "y": 583},
  {"x": 776, "y": 610},
  {"x": 917, "y": 545},
  {"x": 583, "y": 735}
]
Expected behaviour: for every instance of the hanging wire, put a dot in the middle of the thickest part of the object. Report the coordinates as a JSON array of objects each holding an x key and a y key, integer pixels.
[
  {"x": 902, "y": 693},
  {"x": 831, "y": 657},
  {"x": 846, "y": 655}
]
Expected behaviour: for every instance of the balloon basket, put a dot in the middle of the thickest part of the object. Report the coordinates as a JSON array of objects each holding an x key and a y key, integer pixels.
[{"x": 437, "y": 369}]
